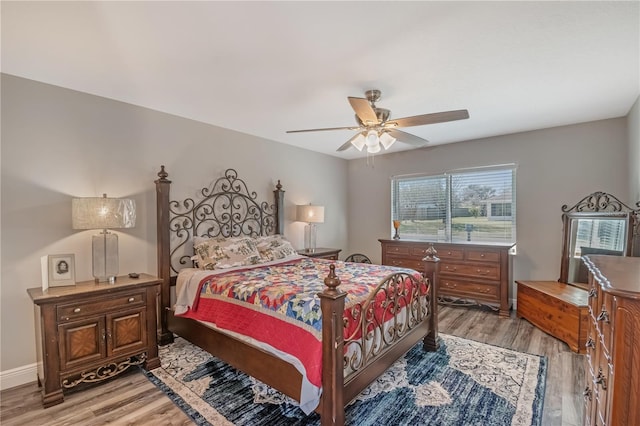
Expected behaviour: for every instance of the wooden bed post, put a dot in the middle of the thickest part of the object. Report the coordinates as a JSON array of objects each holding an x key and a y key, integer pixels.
[
  {"x": 431, "y": 271},
  {"x": 332, "y": 305},
  {"x": 164, "y": 257},
  {"x": 278, "y": 194}
]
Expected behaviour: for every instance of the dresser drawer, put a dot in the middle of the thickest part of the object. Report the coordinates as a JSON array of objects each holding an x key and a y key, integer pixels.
[
  {"x": 404, "y": 262},
  {"x": 72, "y": 311},
  {"x": 487, "y": 272},
  {"x": 402, "y": 250},
  {"x": 450, "y": 253},
  {"x": 462, "y": 288},
  {"x": 483, "y": 256}
]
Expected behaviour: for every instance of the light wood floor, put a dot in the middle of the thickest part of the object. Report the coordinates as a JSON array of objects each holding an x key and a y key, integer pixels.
[{"x": 133, "y": 400}]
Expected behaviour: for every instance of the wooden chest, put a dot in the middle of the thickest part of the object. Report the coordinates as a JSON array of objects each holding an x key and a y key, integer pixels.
[{"x": 558, "y": 309}]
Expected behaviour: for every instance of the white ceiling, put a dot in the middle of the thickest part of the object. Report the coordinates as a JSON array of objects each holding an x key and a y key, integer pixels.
[{"x": 266, "y": 67}]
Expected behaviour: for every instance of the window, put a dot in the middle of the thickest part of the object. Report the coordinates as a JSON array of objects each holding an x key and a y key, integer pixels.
[{"x": 475, "y": 205}]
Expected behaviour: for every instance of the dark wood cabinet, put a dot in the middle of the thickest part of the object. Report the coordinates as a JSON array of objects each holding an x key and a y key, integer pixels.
[
  {"x": 93, "y": 331},
  {"x": 612, "y": 361},
  {"x": 322, "y": 253},
  {"x": 469, "y": 273}
]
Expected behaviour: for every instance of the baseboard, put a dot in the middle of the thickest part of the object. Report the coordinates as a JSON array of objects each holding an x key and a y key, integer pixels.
[
  {"x": 514, "y": 304},
  {"x": 18, "y": 376}
]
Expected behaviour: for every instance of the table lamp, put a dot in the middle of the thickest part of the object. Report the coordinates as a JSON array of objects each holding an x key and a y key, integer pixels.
[
  {"x": 312, "y": 215},
  {"x": 104, "y": 213}
]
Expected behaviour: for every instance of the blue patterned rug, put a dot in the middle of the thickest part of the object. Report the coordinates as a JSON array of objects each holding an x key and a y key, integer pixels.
[{"x": 463, "y": 383}]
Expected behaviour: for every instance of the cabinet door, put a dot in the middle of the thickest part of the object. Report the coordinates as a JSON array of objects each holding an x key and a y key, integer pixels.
[
  {"x": 81, "y": 342},
  {"x": 126, "y": 331}
]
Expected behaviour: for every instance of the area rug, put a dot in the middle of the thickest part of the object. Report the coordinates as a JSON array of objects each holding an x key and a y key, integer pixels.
[{"x": 463, "y": 383}]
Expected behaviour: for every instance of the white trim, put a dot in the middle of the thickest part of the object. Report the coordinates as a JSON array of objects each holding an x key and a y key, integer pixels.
[{"x": 18, "y": 376}]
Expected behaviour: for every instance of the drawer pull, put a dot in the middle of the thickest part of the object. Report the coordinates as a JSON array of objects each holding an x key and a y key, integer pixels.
[
  {"x": 590, "y": 343},
  {"x": 587, "y": 393},
  {"x": 450, "y": 269},
  {"x": 483, "y": 290},
  {"x": 601, "y": 380},
  {"x": 76, "y": 310},
  {"x": 482, "y": 255},
  {"x": 449, "y": 285},
  {"x": 131, "y": 299},
  {"x": 593, "y": 292},
  {"x": 604, "y": 316},
  {"x": 481, "y": 272}
]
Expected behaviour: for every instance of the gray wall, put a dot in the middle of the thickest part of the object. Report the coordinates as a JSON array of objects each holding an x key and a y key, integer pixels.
[
  {"x": 58, "y": 144},
  {"x": 633, "y": 131},
  {"x": 554, "y": 167}
]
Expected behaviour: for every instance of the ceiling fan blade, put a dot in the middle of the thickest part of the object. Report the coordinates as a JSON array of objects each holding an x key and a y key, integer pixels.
[
  {"x": 348, "y": 143},
  {"x": 363, "y": 110},
  {"x": 324, "y": 129},
  {"x": 421, "y": 120},
  {"x": 407, "y": 137}
]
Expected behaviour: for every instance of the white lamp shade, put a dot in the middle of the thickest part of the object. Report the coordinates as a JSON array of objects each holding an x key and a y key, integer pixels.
[
  {"x": 358, "y": 142},
  {"x": 310, "y": 213},
  {"x": 387, "y": 140},
  {"x": 373, "y": 149},
  {"x": 372, "y": 138},
  {"x": 103, "y": 213}
]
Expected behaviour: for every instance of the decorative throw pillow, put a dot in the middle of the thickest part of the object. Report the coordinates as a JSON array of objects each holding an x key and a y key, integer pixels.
[
  {"x": 274, "y": 247},
  {"x": 240, "y": 252},
  {"x": 221, "y": 253}
]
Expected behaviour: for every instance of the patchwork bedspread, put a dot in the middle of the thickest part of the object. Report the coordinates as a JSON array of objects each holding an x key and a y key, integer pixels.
[{"x": 277, "y": 305}]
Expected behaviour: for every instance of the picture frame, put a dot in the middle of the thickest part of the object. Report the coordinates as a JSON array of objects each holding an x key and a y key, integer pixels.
[{"x": 61, "y": 270}]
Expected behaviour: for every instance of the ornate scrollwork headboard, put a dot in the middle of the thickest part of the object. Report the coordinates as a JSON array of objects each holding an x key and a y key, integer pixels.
[{"x": 225, "y": 208}]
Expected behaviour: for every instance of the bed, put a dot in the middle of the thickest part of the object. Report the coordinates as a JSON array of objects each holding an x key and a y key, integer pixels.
[{"x": 349, "y": 360}]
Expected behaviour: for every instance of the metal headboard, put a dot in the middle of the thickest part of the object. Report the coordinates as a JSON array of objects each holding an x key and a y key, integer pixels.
[{"x": 225, "y": 208}]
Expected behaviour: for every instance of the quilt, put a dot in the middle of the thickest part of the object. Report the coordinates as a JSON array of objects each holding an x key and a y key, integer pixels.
[{"x": 277, "y": 306}]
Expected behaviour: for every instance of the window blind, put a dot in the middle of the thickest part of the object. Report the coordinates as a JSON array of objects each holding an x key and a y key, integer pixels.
[{"x": 476, "y": 205}]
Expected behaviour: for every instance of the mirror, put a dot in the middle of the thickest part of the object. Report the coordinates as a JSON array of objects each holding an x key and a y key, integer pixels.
[{"x": 597, "y": 224}]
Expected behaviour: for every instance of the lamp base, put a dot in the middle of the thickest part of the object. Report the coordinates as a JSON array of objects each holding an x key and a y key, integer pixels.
[
  {"x": 105, "y": 257},
  {"x": 310, "y": 238}
]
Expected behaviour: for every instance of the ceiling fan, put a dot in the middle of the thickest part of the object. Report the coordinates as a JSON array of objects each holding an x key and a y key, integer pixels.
[{"x": 375, "y": 126}]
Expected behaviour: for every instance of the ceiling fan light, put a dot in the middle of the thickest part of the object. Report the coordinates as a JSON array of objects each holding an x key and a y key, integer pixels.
[
  {"x": 387, "y": 140},
  {"x": 358, "y": 142},
  {"x": 372, "y": 138},
  {"x": 373, "y": 149}
]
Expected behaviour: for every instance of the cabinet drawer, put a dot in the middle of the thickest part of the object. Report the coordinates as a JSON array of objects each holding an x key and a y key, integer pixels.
[
  {"x": 404, "y": 262},
  {"x": 404, "y": 250},
  {"x": 72, "y": 311},
  {"x": 487, "y": 272},
  {"x": 450, "y": 253},
  {"x": 483, "y": 256},
  {"x": 464, "y": 288}
]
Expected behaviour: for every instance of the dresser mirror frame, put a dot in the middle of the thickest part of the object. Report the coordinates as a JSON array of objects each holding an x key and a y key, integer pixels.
[{"x": 597, "y": 208}]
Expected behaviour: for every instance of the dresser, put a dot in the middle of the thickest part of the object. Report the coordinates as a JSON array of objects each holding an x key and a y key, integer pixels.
[
  {"x": 92, "y": 331},
  {"x": 470, "y": 274},
  {"x": 612, "y": 361}
]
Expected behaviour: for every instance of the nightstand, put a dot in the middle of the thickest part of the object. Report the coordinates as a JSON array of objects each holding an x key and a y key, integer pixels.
[
  {"x": 322, "y": 253},
  {"x": 92, "y": 331}
]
